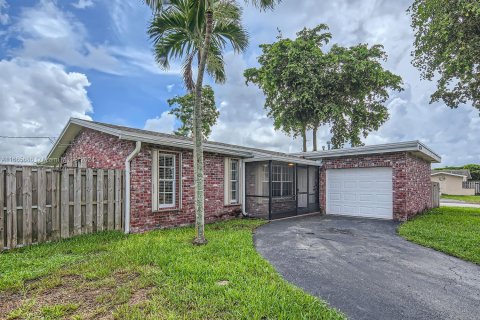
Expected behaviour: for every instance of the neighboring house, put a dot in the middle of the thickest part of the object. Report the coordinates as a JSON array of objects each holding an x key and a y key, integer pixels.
[
  {"x": 390, "y": 181},
  {"x": 451, "y": 182}
]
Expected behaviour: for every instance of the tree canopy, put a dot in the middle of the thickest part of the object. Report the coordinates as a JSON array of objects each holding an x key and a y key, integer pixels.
[
  {"x": 447, "y": 44},
  {"x": 182, "y": 108},
  {"x": 306, "y": 87}
]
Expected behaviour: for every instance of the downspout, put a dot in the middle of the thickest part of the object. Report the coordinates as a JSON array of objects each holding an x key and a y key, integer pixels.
[{"x": 128, "y": 161}]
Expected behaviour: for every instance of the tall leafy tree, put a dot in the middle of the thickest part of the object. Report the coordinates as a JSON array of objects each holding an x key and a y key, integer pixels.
[
  {"x": 198, "y": 32},
  {"x": 305, "y": 87},
  {"x": 447, "y": 44},
  {"x": 289, "y": 76},
  {"x": 360, "y": 86},
  {"x": 182, "y": 108}
]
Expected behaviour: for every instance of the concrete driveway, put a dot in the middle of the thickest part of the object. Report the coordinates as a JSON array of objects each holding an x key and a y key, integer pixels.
[
  {"x": 457, "y": 203},
  {"x": 363, "y": 268}
]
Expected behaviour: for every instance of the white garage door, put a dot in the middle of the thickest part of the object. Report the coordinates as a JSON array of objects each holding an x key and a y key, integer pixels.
[{"x": 363, "y": 192}]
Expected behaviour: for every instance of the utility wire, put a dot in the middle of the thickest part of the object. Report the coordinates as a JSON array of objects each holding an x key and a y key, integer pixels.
[{"x": 52, "y": 139}]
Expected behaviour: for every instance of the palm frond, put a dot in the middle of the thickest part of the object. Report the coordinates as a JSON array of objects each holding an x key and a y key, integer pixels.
[{"x": 264, "y": 4}]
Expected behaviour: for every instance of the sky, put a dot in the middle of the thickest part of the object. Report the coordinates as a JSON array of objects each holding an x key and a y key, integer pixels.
[{"x": 92, "y": 59}]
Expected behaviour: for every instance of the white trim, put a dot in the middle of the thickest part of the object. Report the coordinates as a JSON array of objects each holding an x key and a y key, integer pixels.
[
  {"x": 227, "y": 180},
  {"x": 408, "y": 146},
  {"x": 290, "y": 159},
  {"x": 173, "y": 180}
]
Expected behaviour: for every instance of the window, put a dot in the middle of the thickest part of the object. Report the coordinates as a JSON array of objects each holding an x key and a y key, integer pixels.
[
  {"x": 163, "y": 180},
  {"x": 166, "y": 180},
  {"x": 282, "y": 180},
  {"x": 232, "y": 181}
]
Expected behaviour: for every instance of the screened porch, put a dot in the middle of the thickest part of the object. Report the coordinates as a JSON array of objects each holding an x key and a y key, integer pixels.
[{"x": 275, "y": 189}]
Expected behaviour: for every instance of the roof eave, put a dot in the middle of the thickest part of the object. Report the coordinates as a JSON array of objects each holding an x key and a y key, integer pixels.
[
  {"x": 415, "y": 147},
  {"x": 316, "y": 163},
  {"x": 57, "y": 151}
]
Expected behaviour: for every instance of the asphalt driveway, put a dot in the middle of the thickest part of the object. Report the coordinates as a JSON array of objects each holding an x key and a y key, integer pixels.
[{"x": 363, "y": 268}]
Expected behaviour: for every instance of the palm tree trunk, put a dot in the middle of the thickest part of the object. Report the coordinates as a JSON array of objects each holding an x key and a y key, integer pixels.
[
  {"x": 304, "y": 137},
  {"x": 198, "y": 136},
  {"x": 315, "y": 128}
]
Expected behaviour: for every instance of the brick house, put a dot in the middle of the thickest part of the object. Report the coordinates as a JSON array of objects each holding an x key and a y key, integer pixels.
[{"x": 389, "y": 181}]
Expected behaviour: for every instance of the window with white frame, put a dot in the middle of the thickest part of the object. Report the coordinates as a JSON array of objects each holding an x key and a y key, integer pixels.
[
  {"x": 282, "y": 180},
  {"x": 232, "y": 181},
  {"x": 163, "y": 180}
]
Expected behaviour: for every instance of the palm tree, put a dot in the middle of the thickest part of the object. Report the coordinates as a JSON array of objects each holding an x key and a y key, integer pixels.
[
  {"x": 199, "y": 33},
  {"x": 178, "y": 32}
]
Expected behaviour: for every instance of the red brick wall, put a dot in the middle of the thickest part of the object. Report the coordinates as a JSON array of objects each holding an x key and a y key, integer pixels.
[
  {"x": 411, "y": 183},
  {"x": 101, "y": 150},
  {"x": 142, "y": 217},
  {"x": 419, "y": 186}
]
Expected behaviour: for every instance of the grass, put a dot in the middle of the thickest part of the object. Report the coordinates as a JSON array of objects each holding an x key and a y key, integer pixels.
[
  {"x": 468, "y": 199},
  {"x": 156, "y": 275},
  {"x": 453, "y": 230}
]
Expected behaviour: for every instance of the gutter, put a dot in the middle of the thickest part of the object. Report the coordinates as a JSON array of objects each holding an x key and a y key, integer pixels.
[{"x": 128, "y": 161}]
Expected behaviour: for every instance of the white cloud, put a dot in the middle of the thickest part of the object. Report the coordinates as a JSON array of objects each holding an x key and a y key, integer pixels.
[
  {"x": 83, "y": 4},
  {"x": 170, "y": 87},
  {"x": 165, "y": 123},
  {"x": 46, "y": 32},
  {"x": 4, "y": 17},
  {"x": 37, "y": 99}
]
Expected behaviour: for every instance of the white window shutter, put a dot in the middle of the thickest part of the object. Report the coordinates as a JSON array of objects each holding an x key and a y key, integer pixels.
[{"x": 154, "y": 180}]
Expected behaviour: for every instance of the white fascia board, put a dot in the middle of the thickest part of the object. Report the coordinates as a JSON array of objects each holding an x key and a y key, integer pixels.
[
  {"x": 184, "y": 144},
  {"x": 448, "y": 174},
  {"x": 408, "y": 146},
  {"x": 285, "y": 159}
]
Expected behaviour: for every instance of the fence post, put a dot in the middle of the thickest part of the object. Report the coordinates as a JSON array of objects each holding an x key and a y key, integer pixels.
[
  {"x": 110, "y": 197},
  {"x": 100, "y": 224},
  {"x": 55, "y": 204},
  {"x": 118, "y": 203},
  {"x": 65, "y": 205},
  {"x": 77, "y": 205},
  {"x": 27, "y": 205},
  {"x": 89, "y": 201},
  {"x": 42, "y": 204},
  {"x": 11, "y": 207}
]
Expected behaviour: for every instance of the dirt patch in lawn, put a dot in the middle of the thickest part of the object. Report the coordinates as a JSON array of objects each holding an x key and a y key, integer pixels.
[{"x": 69, "y": 295}]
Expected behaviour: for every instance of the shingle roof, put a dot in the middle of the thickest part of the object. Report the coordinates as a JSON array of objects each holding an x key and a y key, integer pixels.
[
  {"x": 74, "y": 126},
  {"x": 173, "y": 136},
  {"x": 461, "y": 172}
]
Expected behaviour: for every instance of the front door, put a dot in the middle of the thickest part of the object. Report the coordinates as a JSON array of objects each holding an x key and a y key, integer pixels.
[{"x": 302, "y": 187}]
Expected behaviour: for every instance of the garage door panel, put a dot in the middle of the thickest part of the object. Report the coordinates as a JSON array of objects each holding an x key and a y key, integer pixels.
[
  {"x": 363, "y": 192},
  {"x": 349, "y": 185}
]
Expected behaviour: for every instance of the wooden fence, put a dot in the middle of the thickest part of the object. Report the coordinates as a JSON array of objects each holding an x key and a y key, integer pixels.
[
  {"x": 472, "y": 185},
  {"x": 41, "y": 204},
  {"x": 435, "y": 194}
]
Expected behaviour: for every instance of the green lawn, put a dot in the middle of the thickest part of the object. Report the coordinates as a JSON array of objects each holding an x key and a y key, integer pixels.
[
  {"x": 469, "y": 199},
  {"x": 156, "y": 275},
  {"x": 453, "y": 230}
]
